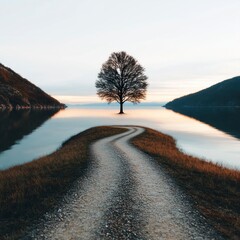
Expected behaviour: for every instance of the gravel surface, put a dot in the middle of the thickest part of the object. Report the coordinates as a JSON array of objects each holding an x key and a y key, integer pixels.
[{"x": 124, "y": 195}]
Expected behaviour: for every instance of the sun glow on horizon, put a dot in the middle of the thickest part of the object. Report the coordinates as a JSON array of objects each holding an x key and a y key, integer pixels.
[
  {"x": 154, "y": 96},
  {"x": 68, "y": 99}
]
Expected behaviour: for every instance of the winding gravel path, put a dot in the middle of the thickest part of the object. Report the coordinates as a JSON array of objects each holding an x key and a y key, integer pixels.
[{"x": 124, "y": 195}]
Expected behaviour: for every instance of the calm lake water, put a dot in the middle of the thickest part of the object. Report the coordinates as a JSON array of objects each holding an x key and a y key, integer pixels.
[{"x": 26, "y": 135}]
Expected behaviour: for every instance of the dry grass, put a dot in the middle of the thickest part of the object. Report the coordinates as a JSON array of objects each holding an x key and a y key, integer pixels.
[
  {"x": 215, "y": 190},
  {"x": 27, "y": 191}
]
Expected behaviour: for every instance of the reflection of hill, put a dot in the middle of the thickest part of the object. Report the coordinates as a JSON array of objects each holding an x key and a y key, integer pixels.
[
  {"x": 224, "y": 119},
  {"x": 14, "y": 125}
]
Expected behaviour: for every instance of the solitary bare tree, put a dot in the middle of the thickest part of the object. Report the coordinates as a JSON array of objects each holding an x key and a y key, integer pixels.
[{"x": 121, "y": 79}]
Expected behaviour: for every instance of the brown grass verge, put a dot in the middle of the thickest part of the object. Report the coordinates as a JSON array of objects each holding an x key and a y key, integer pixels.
[
  {"x": 27, "y": 191},
  {"x": 215, "y": 190}
]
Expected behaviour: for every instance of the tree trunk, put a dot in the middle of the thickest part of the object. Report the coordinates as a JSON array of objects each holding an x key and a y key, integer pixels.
[{"x": 121, "y": 108}]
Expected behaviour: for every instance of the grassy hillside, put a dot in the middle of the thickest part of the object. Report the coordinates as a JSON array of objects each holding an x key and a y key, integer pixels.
[
  {"x": 226, "y": 93},
  {"x": 18, "y": 92}
]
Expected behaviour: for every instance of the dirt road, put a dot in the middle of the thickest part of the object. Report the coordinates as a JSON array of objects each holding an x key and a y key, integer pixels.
[{"x": 124, "y": 195}]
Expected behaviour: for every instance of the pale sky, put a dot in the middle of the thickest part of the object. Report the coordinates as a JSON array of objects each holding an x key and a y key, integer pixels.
[{"x": 60, "y": 45}]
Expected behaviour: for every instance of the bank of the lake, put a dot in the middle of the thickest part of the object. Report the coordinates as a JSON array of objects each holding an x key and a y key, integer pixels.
[{"x": 29, "y": 190}]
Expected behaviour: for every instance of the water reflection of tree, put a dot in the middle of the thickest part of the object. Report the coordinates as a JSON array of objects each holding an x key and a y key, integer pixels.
[
  {"x": 14, "y": 125},
  {"x": 225, "y": 119}
]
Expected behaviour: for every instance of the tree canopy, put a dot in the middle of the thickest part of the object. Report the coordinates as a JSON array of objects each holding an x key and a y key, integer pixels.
[{"x": 121, "y": 79}]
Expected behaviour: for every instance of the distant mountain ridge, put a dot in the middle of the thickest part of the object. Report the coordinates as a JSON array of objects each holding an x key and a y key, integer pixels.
[
  {"x": 223, "y": 94},
  {"x": 17, "y": 92}
]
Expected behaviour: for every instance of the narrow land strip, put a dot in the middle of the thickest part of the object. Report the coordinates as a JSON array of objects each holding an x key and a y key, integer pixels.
[
  {"x": 30, "y": 190},
  {"x": 125, "y": 196}
]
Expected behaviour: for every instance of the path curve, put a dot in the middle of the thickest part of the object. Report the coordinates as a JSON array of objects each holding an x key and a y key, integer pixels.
[{"x": 124, "y": 195}]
